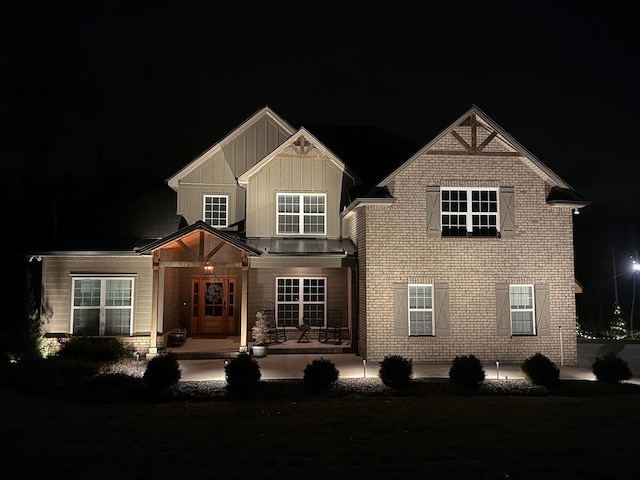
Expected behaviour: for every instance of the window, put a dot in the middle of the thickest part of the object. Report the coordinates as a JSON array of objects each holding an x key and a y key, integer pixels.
[
  {"x": 301, "y": 213},
  {"x": 216, "y": 210},
  {"x": 420, "y": 309},
  {"x": 521, "y": 308},
  {"x": 102, "y": 306},
  {"x": 469, "y": 212},
  {"x": 300, "y": 300}
]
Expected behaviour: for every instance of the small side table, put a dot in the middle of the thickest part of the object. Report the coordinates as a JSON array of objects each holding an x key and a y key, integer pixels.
[{"x": 304, "y": 330}]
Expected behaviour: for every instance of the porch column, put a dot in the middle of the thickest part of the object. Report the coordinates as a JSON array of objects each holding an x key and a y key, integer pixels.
[
  {"x": 153, "y": 329},
  {"x": 243, "y": 311}
]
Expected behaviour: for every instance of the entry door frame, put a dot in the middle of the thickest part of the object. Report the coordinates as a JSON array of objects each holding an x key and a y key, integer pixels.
[{"x": 213, "y": 313}]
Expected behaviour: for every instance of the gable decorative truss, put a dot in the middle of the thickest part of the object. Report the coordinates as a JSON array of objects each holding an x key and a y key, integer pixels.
[
  {"x": 301, "y": 143},
  {"x": 201, "y": 228},
  {"x": 473, "y": 136},
  {"x": 474, "y": 133}
]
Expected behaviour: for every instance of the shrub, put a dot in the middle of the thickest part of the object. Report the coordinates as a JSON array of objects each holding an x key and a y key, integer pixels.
[
  {"x": 48, "y": 376},
  {"x": 162, "y": 372},
  {"x": 611, "y": 369},
  {"x": 242, "y": 374},
  {"x": 396, "y": 371},
  {"x": 94, "y": 349},
  {"x": 320, "y": 374},
  {"x": 466, "y": 372},
  {"x": 539, "y": 370}
]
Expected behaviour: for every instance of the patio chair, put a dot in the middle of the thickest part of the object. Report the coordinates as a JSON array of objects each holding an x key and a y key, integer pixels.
[
  {"x": 276, "y": 334},
  {"x": 332, "y": 331}
]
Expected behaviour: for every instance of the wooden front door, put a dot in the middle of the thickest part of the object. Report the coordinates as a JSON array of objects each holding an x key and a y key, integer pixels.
[{"x": 213, "y": 311}]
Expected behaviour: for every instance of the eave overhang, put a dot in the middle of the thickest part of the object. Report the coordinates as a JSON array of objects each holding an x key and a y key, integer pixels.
[
  {"x": 200, "y": 225},
  {"x": 566, "y": 197}
]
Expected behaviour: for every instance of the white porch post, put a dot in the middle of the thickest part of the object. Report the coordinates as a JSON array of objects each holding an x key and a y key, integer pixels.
[
  {"x": 153, "y": 329},
  {"x": 243, "y": 311}
]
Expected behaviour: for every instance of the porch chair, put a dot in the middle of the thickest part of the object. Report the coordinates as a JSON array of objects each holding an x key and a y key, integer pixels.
[
  {"x": 276, "y": 334},
  {"x": 333, "y": 330}
]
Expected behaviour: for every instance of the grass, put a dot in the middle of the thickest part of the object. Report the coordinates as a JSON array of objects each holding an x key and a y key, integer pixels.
[{"x": 584, "y": 430}]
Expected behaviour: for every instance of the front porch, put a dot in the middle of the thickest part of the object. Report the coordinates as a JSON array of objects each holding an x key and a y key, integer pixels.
[{"x": 228, "y": 347}]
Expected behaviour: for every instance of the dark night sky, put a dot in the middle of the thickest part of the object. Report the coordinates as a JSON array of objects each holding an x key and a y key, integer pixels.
[{"x": 95, "y": 93}]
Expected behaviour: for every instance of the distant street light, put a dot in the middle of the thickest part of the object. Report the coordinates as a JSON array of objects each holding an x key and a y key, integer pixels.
[{"x": 635, "y": 267}]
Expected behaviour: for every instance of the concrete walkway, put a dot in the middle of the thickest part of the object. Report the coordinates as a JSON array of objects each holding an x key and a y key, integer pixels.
[{"x": 352, "y": 366}]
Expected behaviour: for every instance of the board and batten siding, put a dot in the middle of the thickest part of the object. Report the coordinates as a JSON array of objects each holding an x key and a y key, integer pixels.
[
  {"x": 213, "y": 178},
  {"x": 253, "y": 144},
  {"x": 288, "y": 174},
  {"x": 262, "y": 285},
  {"x": 217, "y": 175},
  {"x": 57, "y": 275}
]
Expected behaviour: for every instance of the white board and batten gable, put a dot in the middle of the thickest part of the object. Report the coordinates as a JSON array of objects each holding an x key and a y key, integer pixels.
[
  {"x": 215, "y": 171},
  {"x": 300, "y": 165}
]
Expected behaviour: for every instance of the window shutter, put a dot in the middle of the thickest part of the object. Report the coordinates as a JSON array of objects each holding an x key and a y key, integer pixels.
[
  {"x": 400, "y": 310},
  {"x": 503, "y": 310},
  {"x": 543, "y": 310},
  {"x": 433, "y": 211},
  {"x": 441, "y": 306},
  {"x": 507, "y": 213}
]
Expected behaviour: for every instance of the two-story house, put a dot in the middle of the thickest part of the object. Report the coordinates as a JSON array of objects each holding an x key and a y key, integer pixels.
[{"x": 465, "y": 248}]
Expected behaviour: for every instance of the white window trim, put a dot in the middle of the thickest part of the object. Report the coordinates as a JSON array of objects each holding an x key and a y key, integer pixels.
[
  {"x": 102, "y": 306},
  {"x": 469, "y": 213},
  {"x": 300, "y": 302},
  {"x": 301, "y": 214},
  {"x": 204, "y": 208},
  {"x": 409, "y": 309},
  {"x": 532, "y": 309}
]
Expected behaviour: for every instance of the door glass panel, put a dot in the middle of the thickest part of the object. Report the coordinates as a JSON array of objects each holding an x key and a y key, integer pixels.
[
  {"x": 213, "y": 299},
  {"x": 196, "y": 298},
  {"x": 231, "y": 299}
]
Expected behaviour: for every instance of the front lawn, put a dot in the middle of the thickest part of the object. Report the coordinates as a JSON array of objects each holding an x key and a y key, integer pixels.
[{"x": 585, "y": 430}]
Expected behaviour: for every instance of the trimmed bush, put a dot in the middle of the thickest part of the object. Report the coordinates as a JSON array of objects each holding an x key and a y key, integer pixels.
[
  {"x": 539, "y": 370},
  {"x": 94, "y": 349},
  {"x": 162, "y": 372},
  {"x": 466, "y": 372},
  {"x": 611, "y": 369},
  {"x": 396, "y": 371},
  {"x": 320, "y": 374},
  {"x": 242, "y": 374}
]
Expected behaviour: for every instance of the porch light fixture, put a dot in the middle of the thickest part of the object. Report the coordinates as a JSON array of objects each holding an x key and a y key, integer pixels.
[{"x": 208, "y": 268}]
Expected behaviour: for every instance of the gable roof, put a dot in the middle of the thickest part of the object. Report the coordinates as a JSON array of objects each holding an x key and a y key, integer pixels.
[
  {"x": 264, "y": 112},
  {"x": 515, "y": 146},
  {"x": 200, "y": 225},
  {"x": 302, "y": 133}
]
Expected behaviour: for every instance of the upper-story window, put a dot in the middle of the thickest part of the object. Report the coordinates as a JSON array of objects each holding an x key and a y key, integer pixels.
[
  {"x": 469, "y": 212},
  {"x": 216, "y": 211},
  {"x": 301, "y": 213}
]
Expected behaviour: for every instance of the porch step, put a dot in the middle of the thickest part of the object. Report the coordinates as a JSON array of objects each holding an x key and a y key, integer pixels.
[
  {"x": 272, "y": 351},
  {"x": 333, "y": 349},
  {"x": 203, "y": 355}
]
